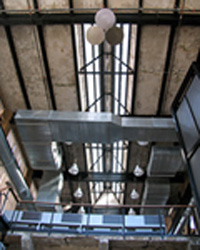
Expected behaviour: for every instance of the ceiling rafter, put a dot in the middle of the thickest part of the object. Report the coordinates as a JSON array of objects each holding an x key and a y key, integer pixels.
[
  {"x": 168, "y": 61},
  {"x": 44, "y": 56}
]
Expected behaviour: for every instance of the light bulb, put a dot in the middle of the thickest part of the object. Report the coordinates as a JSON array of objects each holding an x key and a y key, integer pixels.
[
  {"x": 138, "y": 171},
  {"x": 131, "y": 211},
  {"x": 74, "y": 170},
  {"x": 134, "y": 195},
  {"x": 78, "y": 193},
  {"x": 143, "y": 143},
  {"x": 68, "y": 143},
  {"x": 81, "y": 210}
]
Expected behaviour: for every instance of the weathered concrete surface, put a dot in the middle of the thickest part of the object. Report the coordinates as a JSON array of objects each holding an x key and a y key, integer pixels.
[
  {"x": 123, "y": 4},
  {"x": 192, "y": 4},
  {"x": 61, "y": 242},
  {"x": 103, "y": 244},
  {"x": 30, "y": 60},
  {"x": 53, "y": 4},
  {"x": 158, "y": 4},
  {"x": 10, "y": 91},
  {"x": 60, "y": 56},
  {"x": 26, "y": 242},
  {"x": 17, "y": 5},
  {"x": 150, "y": 244},
  {"x": 185, "y": 52},
  {"x": 87, "y": 4},
  {"x": 153, "y": 49}
]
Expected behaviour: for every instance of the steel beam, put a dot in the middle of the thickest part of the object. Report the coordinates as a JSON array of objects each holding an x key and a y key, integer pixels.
[
  {"x": 67, "y": 18},
  {"x": 43, "y": 126},
  {"x": 119, "y": 177}
]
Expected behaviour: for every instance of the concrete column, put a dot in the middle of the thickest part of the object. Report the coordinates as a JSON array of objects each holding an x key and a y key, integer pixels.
[
  {"x": 26, "y": 242},
  {"x": 103, "y": 244}
]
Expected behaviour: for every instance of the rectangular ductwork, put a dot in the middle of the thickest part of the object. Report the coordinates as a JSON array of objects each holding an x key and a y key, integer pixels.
[
  {"x": 155, "y": 193},
  {"x": 46, "y": 126},
  {"x": 50, "y": 189},
  {"x": 164, "y": 161}
]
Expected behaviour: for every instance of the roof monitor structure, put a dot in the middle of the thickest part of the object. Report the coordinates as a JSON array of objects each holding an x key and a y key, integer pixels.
[{"x": 186, "y": 113}]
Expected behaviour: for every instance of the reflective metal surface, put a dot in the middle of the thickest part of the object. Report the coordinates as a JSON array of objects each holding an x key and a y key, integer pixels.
[
  {"x": 164, "y": 161},
  {"x": 12, "y": 169},
  {"x": 91, "y": 127}
]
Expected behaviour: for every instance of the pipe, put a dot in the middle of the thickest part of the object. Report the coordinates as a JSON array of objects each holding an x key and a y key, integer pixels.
[
  {"x": 184, "y": 217},
  {"x": 12, "y": 169}
]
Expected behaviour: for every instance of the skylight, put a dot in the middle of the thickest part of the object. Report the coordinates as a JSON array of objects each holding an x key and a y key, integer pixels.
[{"x": 106, "y": 81}]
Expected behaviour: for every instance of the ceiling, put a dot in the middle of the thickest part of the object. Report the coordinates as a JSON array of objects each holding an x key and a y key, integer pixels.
[{"x": 47, "y": 64}]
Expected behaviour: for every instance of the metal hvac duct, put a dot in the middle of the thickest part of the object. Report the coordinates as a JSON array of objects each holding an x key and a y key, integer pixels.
[
  {"x": 50, "y": 189},
  {"x": 12, "y": 169},
  {"x": 46, "y": 126},
  {"x": 165, "y": 161}
]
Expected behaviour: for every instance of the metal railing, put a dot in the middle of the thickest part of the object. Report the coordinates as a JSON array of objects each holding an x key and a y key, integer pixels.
[{"x": 21, "y": 218}]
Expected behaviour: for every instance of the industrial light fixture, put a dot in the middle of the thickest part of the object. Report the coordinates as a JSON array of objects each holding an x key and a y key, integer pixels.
[
  {"x": 143, "y": 143},
  {"x": 68, "y": 143},
  {"x": 131, "y": 211},
  {"x": 78, "y": 193},
  {"x": 138, "y": 171},
  {"x": 105, "y": 20},
  {"x": 81, "y": 210},
  {"x": 134, "y": 195},
  {"x": 95, "y": 35},
  {"x": 74, "y": 170}
]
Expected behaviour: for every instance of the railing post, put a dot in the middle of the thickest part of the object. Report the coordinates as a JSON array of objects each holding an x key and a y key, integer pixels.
[
  {"x": 123, "y": 218},
  {"x": 88, "y": 222},
  {"x": 160, "y": 222}
]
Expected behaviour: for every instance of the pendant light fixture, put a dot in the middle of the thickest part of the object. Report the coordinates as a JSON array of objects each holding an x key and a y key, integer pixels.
[
  {"x": 74, "y": 170},
  {"x": 138, "y": 171},
  {"x": 105, "y": 30},
  {"x": 81, "y": 210},
  {"x": 142, "y": 143},
  {"x": 134, "y": 195},
  {"x": 131, "y": 211},
  {"x": 105, "y": 18},
  {"x": 95, "y": 35},
  {"x": 78, "y": 193}
]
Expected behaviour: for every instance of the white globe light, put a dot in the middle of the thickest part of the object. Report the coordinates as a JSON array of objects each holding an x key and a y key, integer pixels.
[
  {"x": 138, "y": 171},
  {"x": 74, "y": 170},
  {"x": 78, "y": 193},
  {"x": 114, "y": 35},
  {"x": 134, "y": 195},
  {"x": 95, "y": 35},
  {"x": 105, "y": 18}
]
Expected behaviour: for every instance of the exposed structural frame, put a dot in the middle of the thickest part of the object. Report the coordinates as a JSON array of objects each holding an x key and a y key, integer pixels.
[{"x": 41, "y": 126}]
